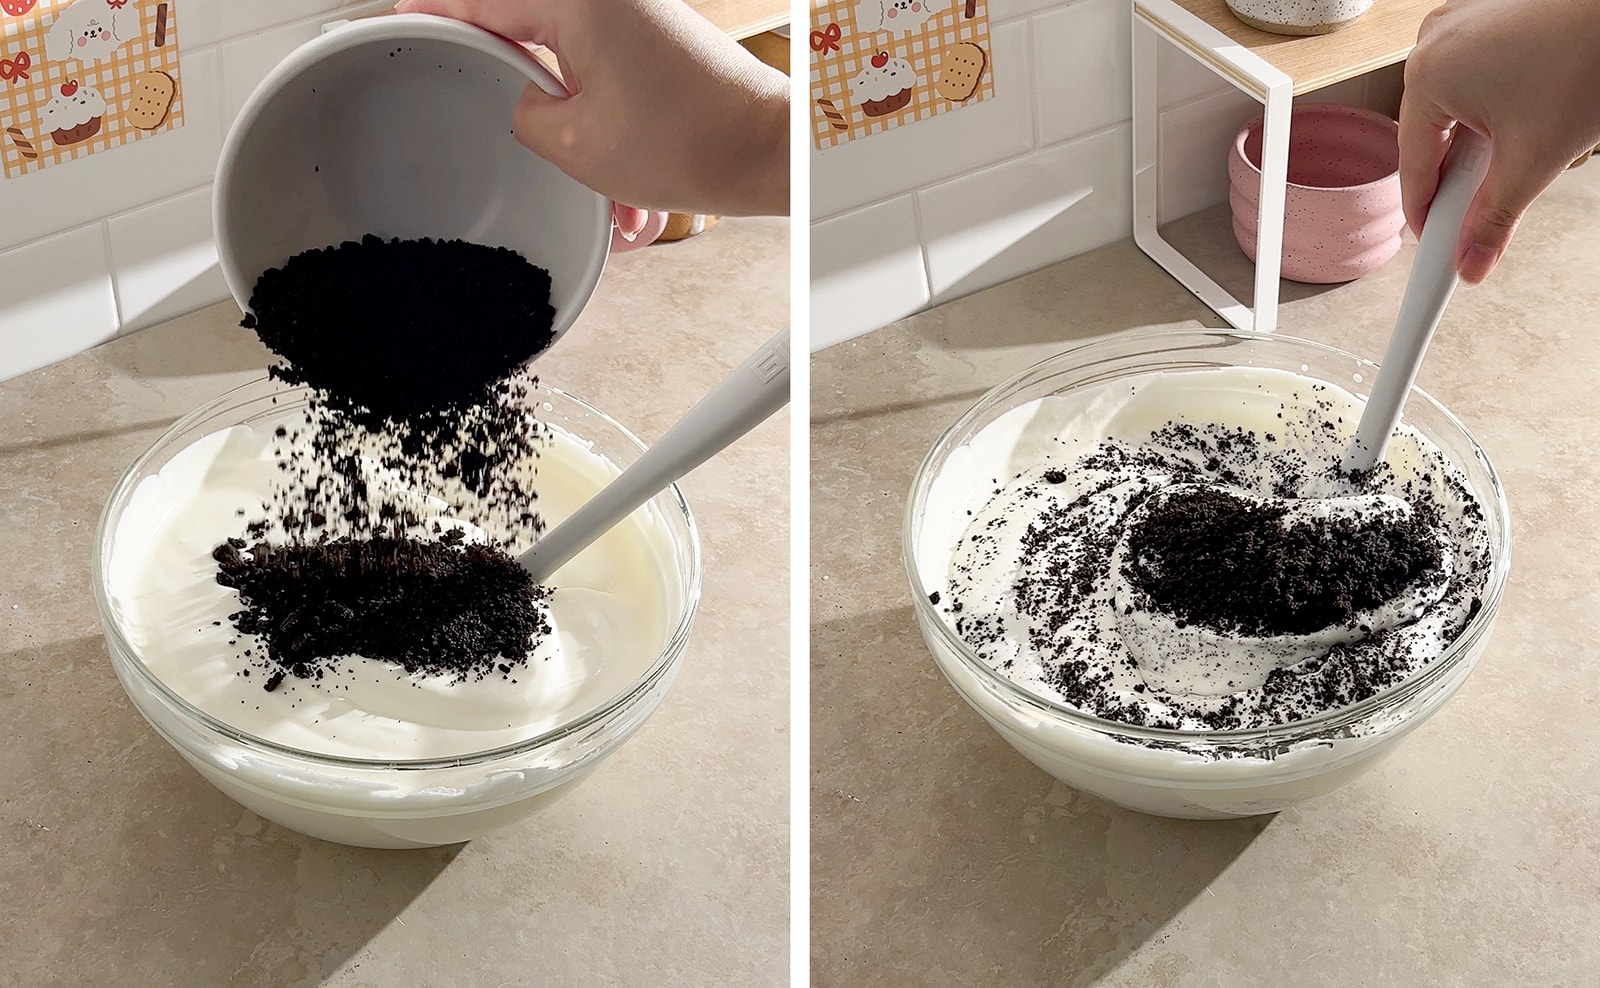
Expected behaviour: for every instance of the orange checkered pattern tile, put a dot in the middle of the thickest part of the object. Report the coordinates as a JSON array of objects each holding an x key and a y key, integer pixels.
[
  {"x": 30, "y": 78},
  {"x": 846, "y": 36}
]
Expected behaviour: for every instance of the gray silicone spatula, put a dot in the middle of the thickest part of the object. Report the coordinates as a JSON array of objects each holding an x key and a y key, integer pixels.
[
  {"x": 748, "y": 397},
  {"x": 1433, "y": 280}
]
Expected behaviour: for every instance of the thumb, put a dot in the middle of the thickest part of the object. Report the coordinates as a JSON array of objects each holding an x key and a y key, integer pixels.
[
  {"x": 547, "y": 125},
  {"x": 1513, "y": 182}
]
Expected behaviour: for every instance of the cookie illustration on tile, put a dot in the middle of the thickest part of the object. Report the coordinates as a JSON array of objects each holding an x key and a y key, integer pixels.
[
  {"x": 896, "y": 16},
  {"x": 960, "y": 70},
  {"x": 73, "y": 114},
  {"x": 884, "y": 86},
  {"x": 91, "y": 31},
  {"x": 151, "y": 100}
]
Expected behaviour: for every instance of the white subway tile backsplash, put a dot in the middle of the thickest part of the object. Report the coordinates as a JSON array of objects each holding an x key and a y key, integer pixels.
[
  {"x": 246, "y": 62},
  {"x": 138, "y": 217},
  {"x": 1004, "y": 10},
  {"x": 68, "y": 195},
  {"x": 206, "y": 22},
  {"x": 1005, "y": 221},
  {"x": 164, "y": 260},
  {"x": 951, "y": 144},
  {"x": 866, "y": 271},
  {"x": 55, "y": 299},
  {"x": 1083, "y": 67}
]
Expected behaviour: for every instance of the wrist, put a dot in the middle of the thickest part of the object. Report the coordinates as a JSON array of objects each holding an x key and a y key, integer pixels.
[{"x": 748, "y": 173}]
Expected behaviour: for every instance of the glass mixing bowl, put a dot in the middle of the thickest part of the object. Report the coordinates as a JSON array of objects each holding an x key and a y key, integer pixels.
[
  {"x": 1205, "y": 774},
  {"x": 398, "y": 803}
]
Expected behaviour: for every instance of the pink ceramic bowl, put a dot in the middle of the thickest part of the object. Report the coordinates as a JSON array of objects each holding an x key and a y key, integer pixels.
[{"x": 1342, "y": 216}]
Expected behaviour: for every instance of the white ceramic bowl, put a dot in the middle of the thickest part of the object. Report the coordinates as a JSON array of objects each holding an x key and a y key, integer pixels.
[
  {"x": 1205, "y": 774},
  {"x": 397, "y": 803},
  {"x": 400, "y": 126}
]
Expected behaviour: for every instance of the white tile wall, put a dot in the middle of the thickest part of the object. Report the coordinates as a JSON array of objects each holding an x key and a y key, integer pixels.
[
  {"x": 996, "y": 190},
  {"x": 121, "y": 240},
  {"x": 1084, "y": 54},
  {"x": 1001, "y": 222},
  {"x": 861, "y": 172},
  {"x": 53, "y": 199},
  {"x": 866, "y": 271},
  {"x": 988, "y": 192},
  {"x": 164, "y": 260},
  {"x": 59, "y": 298}
]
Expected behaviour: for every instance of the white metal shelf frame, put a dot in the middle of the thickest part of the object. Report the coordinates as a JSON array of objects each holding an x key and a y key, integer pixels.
[{"x": 1157, "y": 21}]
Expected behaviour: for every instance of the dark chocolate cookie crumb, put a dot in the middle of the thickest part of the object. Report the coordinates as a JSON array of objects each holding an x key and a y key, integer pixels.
[
  {"x": 412, "y": 353},
  {"x": 1206, "y": 556},
  {"x": 458, "y": 610},
  {"x": 396, "y": 329}
]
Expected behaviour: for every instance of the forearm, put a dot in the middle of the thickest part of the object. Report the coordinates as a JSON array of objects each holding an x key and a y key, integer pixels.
[{"x": 748, "y": 170}]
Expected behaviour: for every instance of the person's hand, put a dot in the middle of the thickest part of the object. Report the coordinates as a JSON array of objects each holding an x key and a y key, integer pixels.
[
  {"x": 1523, "y": 73},
  {"x": 666, "y": 111}
]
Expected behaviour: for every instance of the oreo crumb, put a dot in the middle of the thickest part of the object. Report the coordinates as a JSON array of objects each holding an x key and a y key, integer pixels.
[
  {"x": 397, "y": 329},
  {"x": 1209, "y": 557},
  {"x": 412, "y": 352},
  {"x": 457, "y": 610}
]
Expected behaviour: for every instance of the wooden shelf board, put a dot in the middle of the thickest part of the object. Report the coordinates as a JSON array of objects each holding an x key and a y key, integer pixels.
[
  {"x": 1382, "y": 36},
  {"x": 743, "y": 18}
]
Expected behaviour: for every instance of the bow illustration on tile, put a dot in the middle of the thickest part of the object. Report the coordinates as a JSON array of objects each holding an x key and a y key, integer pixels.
[
  {"x": 12, "y": 69},
  {"x": 827, "y": 39}
]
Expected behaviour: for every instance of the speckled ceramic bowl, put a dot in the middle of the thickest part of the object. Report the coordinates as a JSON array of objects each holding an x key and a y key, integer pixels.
[
  {"x": 1342, "y": 217},
  {"x": 1299, "y": 16}
]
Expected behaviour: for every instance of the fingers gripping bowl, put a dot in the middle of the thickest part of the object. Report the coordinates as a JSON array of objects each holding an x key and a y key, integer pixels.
[
  {"x": 1175, "y": 765},
  {"x": 441, "y": 783}
]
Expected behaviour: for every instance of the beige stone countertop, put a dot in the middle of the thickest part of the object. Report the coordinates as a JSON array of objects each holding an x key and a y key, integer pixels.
[
  {"x": 121, "y": 866},
  {"x": 1469, "y": 858}
]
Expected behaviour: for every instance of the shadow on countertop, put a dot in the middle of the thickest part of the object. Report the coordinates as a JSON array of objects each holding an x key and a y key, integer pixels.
[
  {"x": 941, "y": 856},
  {"x": 206, "y": 341},
  {"x": 1089, "y": 295},
  {"x": 136, "y": 870}
]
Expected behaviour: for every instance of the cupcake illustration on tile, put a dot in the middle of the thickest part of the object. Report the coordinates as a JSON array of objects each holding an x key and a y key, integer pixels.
[
  {"x": 884, "y": 86},
  {"x": 73, "y": 114}
]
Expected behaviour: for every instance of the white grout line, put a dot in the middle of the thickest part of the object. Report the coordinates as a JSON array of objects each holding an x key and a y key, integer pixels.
[
  {"x": 1008, "y": 159},
  {"x": 922, "y": 243},
  {"x": 111, "y": 270}
]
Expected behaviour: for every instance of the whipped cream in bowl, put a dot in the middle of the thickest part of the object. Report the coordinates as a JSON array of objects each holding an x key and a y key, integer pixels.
[
  {"x": 365, "y": 752},
  {"x": 1141, "y": 563}
]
